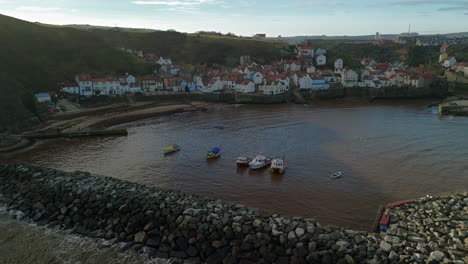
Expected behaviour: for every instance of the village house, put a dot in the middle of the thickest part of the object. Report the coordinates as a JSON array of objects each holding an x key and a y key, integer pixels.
[
  {"x": 349, "y": 78},
  {"x": 385, "y": 81},
  {"x": 71, "y": 88},
  {"x": 260, "y": 36},
  {"x": 338, "y": 64},
  {"x": 245, "y": 86},
  {"x": 106, "y": 86},
  {"x": 258, "y": 78},
  {"x": 273, "y": 87},
  {"x": 151, "y": 84},
  {"x": 310, "y": 69},
  {"x": 396, "y": 80},
  {"x": 215, "y": 85},
  {"x": 163, "y": 61},
  {"x": 449, "y": 62},
  {"x": 442, "y": 57},
  {"x": 187, "y": 85},
  {"x": 291, "y": 65},
  {"x": 321, "y": 59},
  {"x": 85, "y": 84},
  {"x": 444, "y": 48},
  {"x": 43, "y": 97},
  {"x": 320, "y": 52},
  {"x": 305, "y": 51},
  {"x": 460, "y": 67},
  {"x": 329, "y": 77}
]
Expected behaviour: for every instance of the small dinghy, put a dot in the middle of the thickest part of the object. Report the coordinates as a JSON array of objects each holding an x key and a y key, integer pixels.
[
  {"x": 278, "y": 166},
  {"x": 243, "y": 161},
  {"x": 219, "y": 126},
  {"x": 336, "y": 175},
  {"x": 214, "y": 153},
  {"x": 171, "y": 149}
]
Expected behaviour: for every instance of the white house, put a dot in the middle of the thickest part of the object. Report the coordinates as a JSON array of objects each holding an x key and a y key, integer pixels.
[
  {"x": 85, "y": 84},
  {"x": 449, "y": 62},
  {"x": 151, "y": 84},
  {"x": 215, "y": 85},
  {"x": 106, "y": 86},
  {"x": 310, "y": 69},
  {"x": 258, "y": 78},
  {"x": 71, "y": 88},
  {"x": 272, "y": 87},
  {"x": 306, "y": 51},
  {"x": 245, "y": 86},
  {"x": 321, "y": 60},
  {"x": 349, "y": 78},
  {"x": 163, "y": 61},
  {"x": 292, "y": 66},
  {"x": 338, "y": 64}
]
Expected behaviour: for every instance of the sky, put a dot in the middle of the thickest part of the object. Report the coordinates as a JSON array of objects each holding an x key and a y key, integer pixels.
[{"x": 248, "y": 17}]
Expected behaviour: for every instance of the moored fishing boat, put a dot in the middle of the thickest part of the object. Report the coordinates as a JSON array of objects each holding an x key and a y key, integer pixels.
[
  {"x": 243, "y": 161},
  {"x": 259, "y": 162},
  {"x": 278, "y": 166},
  {"x": 171, "y": 149},
  {"x": 214, "y": 153}
]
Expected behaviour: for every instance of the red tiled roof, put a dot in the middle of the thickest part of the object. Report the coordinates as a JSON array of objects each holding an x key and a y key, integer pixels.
[
  {"x": 445, "y": 46},
  {"x": 84, "y": 77},
  {"x": 245, "y": 82}
]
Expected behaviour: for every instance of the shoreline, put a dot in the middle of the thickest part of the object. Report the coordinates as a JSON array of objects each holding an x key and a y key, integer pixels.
[
  {"x": 173, "y": 224},
  {"x": 105, "y": 117}
]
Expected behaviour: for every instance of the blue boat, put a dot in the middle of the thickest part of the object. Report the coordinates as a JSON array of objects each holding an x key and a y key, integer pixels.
[
  {"x": 214, "y": 153},
  {"x": 219, "y": 126}
]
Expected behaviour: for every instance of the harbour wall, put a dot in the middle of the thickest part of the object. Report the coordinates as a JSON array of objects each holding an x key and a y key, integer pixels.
[{"x": 172, "y": 224}]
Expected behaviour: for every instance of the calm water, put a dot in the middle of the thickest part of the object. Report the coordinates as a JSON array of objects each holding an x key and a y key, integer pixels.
[{"x": 387, "y": 152}]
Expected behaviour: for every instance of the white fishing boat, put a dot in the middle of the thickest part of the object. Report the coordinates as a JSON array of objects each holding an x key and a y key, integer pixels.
[
  {"x": 259, "y": 162},
  {"x": 278, "y": 166}
]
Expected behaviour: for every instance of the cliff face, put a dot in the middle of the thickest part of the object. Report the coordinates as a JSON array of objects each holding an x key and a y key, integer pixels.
[{"x": 172, "y": 224}]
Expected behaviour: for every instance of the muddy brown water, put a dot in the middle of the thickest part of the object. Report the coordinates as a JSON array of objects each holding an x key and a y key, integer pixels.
[{"x": 387, "y": 151}]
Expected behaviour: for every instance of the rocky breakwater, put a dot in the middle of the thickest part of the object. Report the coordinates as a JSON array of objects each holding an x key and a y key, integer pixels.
[
  {"x": 429, "y": 230},
  {"x": 171, "y": 224}
]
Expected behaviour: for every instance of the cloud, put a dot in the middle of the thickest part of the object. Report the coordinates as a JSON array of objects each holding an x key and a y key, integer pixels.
[
  {"x": 444, "y": 5},
  {"x": 37, "y": 8},
  {"x": 315, "y": 3},
  {"x": 175, "y": 3}
]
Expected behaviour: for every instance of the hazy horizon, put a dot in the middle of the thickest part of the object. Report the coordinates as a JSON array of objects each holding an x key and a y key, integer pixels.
[{"x": 285, "y": 18}]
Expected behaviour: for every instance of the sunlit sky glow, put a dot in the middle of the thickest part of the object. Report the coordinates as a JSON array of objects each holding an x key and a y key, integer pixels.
[{"x": 243, "y": 17}]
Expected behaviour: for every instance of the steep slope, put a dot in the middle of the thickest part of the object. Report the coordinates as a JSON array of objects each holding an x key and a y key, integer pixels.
[{"x": 35, "y": 57}]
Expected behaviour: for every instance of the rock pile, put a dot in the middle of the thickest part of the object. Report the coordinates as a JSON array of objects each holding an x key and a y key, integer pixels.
[
  {"x": 171, "y": 224},
  {"x": 430, "y": 230}
]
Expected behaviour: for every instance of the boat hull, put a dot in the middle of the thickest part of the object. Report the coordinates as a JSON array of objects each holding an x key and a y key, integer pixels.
[
  {"x": 242, "y": 164},
  {"x": 278, "y": 170},
  {"x": 171, "y": 151},
  {"x": 260, "y": 166},
  {"x": 209, "y": 156}
]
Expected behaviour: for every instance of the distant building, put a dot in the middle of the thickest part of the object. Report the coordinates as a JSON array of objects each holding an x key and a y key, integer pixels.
[
  {"x": 449, "y": 62},
  {"x": 321, "y": 60},
  {"x": 43, "y": 97},
  {"x": 245, "y": 60},
  {"x": 338, "y": 64},
  {"x": 85, "y": 84},
  {"x": 259, "y": 36}
]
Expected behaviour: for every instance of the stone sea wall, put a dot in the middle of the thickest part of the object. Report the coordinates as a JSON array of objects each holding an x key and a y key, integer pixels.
[{"x": 171, "y": 224}]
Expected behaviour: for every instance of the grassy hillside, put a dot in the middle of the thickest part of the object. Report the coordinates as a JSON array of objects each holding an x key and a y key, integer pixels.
[
  {"x": 412, "y": 55},
  {"x": 36, "y": 57}
]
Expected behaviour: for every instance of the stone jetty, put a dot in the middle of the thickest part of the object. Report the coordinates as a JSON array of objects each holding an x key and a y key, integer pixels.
[{"x": 193, "y": 229}]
